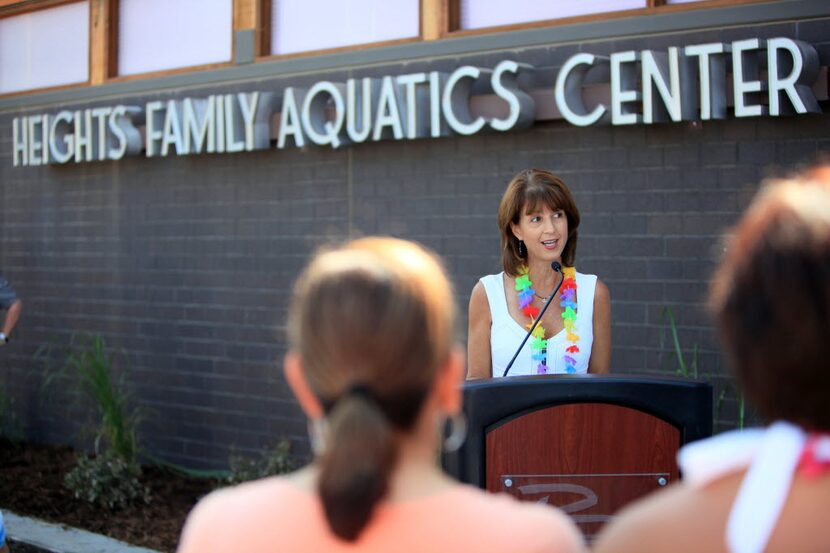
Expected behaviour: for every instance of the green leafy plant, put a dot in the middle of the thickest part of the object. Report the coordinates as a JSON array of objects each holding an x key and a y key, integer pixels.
[
  {"x": 10, "y": 426},
  {"x": 684, "y": 368},
  {"x": 86, "y": 360},
  {"x": 690, "y": 369},
  {"x": 111, "y": 479},
  {"x": 741, "y": 410},
  {"x": 107, "y": 481},
  {"x": 277, "y": 460},
  {"x": 722, "y": 397}
]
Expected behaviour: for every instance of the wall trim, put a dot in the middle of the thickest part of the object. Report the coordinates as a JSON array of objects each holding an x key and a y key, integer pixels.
[{"x": 748, "y": 14}]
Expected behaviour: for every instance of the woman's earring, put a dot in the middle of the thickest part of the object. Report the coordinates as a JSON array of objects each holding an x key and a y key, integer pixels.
[
  {"x": 458, "y": 432},
  {"x": 522, "y": 249},
  {"x": 317, "y": 435}
]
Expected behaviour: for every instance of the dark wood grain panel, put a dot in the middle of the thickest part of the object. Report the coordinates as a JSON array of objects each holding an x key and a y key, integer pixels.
[{"x": 589, "y": 458}]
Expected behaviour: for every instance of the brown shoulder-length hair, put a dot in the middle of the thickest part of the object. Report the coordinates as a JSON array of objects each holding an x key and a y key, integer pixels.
[
  {"x": 373, "y": 321},
  {"x": 771, "y": 298},
  {"x": 527, "y": 191}
]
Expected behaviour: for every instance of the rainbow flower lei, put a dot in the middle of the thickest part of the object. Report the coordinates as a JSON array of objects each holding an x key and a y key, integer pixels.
[{"x": 539, "y": 345}]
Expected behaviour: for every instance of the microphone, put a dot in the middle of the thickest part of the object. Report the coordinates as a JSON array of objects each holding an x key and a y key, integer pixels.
[{"x": 556, "y": 266}]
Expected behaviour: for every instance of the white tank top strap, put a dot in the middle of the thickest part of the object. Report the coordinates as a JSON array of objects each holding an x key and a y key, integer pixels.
[
  {"x": 585, "y": 289},
  {"x": 705, "y": 461},
  {"x": 586, "y": 286},
  {"x": 772, "y": 457},
  {"x": 765, "y": 489},
  {"x": 494, "y": 288}
]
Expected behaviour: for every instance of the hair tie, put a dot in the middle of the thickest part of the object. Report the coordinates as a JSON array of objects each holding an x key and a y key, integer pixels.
[
  {"x": 360, "y": 390},
  {"x": 354, "y": 390}
]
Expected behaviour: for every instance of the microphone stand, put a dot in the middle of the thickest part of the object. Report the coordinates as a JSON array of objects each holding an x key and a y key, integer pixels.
[{"x": 558, "y": 268}]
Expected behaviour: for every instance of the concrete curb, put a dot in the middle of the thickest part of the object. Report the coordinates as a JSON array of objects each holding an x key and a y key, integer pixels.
[{"x": 58, "y": 538}]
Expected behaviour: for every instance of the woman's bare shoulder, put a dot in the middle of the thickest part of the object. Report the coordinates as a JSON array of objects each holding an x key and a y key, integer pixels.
[
  {"x": 678, "y": 519},
  {"x": 601, "y": 292},
  {"x": 478, "y": 300}
]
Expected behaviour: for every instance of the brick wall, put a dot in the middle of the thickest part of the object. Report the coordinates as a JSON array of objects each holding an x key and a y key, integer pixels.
[{"x": 185, "y": 264}]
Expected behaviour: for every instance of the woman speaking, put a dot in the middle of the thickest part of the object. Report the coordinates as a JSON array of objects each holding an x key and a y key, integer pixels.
[{"x": 538, "y": 220}]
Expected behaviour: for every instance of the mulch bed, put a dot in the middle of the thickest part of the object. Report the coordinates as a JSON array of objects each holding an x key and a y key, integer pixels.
[{"x": 31, "y": 484}]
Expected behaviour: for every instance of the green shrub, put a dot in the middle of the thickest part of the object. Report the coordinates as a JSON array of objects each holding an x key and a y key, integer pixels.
[
  {"x": 86, "y": 360},
  {"x": 107, "y": 481},
  {"x": 685, "y": 369},
  {"x": 271, "y": 462},
  {"x": 10, "y": 426},
  {"x": 690, "y": 369}
]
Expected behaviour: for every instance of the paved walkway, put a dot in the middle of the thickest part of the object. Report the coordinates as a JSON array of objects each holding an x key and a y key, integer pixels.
[{"x": 63, "y": 539}]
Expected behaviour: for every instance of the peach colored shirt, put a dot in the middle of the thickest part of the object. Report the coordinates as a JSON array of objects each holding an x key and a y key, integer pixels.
[{"x": 275, "y": 516}]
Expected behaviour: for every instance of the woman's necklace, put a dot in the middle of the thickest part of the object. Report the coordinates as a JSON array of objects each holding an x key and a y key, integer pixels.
[{"x": 539, "y": 345}]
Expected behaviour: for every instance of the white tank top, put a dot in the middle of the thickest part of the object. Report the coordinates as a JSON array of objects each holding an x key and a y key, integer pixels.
[
  {"x": 506, "y": 334},
  {"x": 771, "y": 456}
]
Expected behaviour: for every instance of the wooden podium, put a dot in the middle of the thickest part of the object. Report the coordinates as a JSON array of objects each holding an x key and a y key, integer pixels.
[{"x": 587, "y": 444}]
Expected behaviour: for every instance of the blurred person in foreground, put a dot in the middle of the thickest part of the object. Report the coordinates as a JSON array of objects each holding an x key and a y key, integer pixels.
[
  {"x": 760, "y": 490},
  {"x": 373, "y": 365},
  {"x": 12, "y": 305},
  {"x": 4, "y": 546}
]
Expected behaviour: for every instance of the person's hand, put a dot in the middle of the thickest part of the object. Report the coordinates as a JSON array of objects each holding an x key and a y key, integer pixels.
[{"x": 3, "y": 340}]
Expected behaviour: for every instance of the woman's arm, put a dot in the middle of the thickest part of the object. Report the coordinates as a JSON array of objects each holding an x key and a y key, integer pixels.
[
  {"x": 600, "y": 362},
  {"x": 478, "y": 335}
]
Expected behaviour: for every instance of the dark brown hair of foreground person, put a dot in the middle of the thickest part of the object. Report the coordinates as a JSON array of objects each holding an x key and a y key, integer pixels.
[
  {"x": 379, "y": 315},
  {"x": 771, "y": 297},
  {"x": 527, "y": 191}
]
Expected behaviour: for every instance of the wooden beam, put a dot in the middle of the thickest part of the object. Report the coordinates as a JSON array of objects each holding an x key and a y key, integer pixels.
[
  {"x": 264, "y": 31},
  {"x": 454, "y": 15},
  {"x": 245, "y": 14},
  {"x": 103, "y": 40},
  {"x": 9, "y": 8},
  {"x": 254, "y": 15},
  {"x": 435, "y": 19}
]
